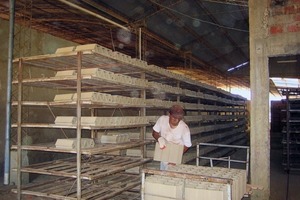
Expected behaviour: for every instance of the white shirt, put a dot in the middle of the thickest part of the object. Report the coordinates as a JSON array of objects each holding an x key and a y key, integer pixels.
[{"x": 179, "y": 135}]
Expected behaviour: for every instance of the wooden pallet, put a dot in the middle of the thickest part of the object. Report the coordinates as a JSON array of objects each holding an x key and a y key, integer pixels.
[
  {"x": 104, "y": 188},
  {"x": 92, "y": 168}
]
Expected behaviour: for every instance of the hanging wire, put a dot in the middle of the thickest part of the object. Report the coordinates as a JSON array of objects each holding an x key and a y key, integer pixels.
[{"x": 200, "y": 20}]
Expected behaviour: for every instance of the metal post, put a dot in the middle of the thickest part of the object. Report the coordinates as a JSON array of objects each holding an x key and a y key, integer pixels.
[
  {"x": 8, "y": 92},
  {"x": 78, "y": 136},
  {"x": 211, "y": 162},
  {"x": 143, "y": 186},
  {"x": 143, "y": 114},
  {"x": 247, "y": 164},
  {"x": 19, "y": 132},
  {"x": 140, "y": 43},
  {"x": 288, "y": 117},
  {"x": 198, "y": 156}
]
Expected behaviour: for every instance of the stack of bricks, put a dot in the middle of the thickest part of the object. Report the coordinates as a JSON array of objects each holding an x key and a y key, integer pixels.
[
  {"x": 101, "y": 98},
  {"x": 158, "y": 187},
  {"x": 71, "y": 143},
  {"x": 116, "y": 138},
  {"x": 102, "y": 121}
]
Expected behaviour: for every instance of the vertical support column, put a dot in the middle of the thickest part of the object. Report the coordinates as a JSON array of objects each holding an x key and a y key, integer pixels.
[
  {"x": 143, "y": 113},
  {"x": 93, "y": 131},
  {"x": 19, "y": 131},
  {"x": 259, "y": 81},
  {"x": 78, "y": 135},
  {"x": 178, "y": 96},
  {"x": 143, "y": 96},
  {"x": 140, "y": 43},
  {"x": 9, "y": 91},
  {"x": 288, "y": 131}
]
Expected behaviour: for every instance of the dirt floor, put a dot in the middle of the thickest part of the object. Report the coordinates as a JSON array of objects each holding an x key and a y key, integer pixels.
[{"x": 278, "y": 180}]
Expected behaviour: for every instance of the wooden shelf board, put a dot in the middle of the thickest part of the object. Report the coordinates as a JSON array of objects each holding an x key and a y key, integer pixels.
[
  {"x": 70, "y": 82},
  {"x": 92, "y": 168},
  {"x": 40, "y": 125},
  {"x": 98, "y": 149},
  {"x": 73, "y": 104},
  {"x": 65, "y": 188}
]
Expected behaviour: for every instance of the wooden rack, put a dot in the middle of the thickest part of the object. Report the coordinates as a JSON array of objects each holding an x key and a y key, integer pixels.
[
  {"x": 65, "y": 188},
  {"x": 222, "y": 112}
]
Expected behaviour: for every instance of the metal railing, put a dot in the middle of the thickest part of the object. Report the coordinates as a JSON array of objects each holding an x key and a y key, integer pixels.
[{"x": 227, "y": 158}]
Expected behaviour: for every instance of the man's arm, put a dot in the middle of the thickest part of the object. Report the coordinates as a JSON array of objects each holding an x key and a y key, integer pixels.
[
  {"x": 185, "y": 148},
  {"x": 155, "y": 135}
]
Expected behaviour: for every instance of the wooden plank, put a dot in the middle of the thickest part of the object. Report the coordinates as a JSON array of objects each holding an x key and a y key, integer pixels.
[
  {"x": 84, "y": 104},
  {"x": 41, "y": 125},
  {"x": 98, "y": 149},
  {"x": 105, "y": 188},
  {"x": 92, "y": 169}
]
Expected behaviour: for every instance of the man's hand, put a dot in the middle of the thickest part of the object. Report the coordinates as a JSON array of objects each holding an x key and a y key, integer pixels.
[{"x": 162, "y": 142}]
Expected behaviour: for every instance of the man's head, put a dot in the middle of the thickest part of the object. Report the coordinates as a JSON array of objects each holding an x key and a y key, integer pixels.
[{"x": 176, "y": 111}]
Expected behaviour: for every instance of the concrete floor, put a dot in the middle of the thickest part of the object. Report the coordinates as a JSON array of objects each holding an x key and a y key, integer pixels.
[
  {"x": 278, "y": 183},
  {"x": 279, "y": 180}
]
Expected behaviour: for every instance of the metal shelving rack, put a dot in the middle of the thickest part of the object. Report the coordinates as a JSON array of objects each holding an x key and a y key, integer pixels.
[
  {"x": 291, "y": 130},
  {"x": 212, "y": 114}
]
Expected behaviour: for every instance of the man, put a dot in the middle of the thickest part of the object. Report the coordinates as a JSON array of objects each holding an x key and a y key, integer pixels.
[{"x": 171, "y": 128}]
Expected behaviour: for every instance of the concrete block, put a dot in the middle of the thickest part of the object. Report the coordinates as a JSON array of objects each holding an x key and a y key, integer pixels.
[
  {"x": 118, "y": 138},
  {"x": 172, "y": 153},
  {"x": 88, "y": 96},
  {"x": 65, "y": 49},
  {"x": 86, "y": 47},
  {"x": 65, "y": 73},
  {"x": 103, "y": 50},
  {"x": 65, "y": 120},
  {"x": 203, "y": 193},
  {"x": 71, "y": 143},
  {"x": 137, "y": 152},
  {"x": 153, "y": 197},
  {"x": 205, "y": 190},
  {"x": 237, "y": 175},
  {"x": 89, "y": 71},
  {"x": 135, "y": 170},
  {"x": 164, "y": 187},
  {"x": 63, "y": 97}
]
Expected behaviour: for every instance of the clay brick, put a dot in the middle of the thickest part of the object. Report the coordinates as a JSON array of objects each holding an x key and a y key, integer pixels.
[
  {"x": 290, "y": 9},
  {"x": 276, "y": 29},
  {"x": 294, "y": 28},
  {"x": 297, "y": 17},
  {"x": 295, "y": 1},
  {"x": 277, "y": 11}
]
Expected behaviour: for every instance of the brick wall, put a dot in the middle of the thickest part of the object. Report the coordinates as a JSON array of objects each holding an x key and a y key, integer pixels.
[{"x": 285, "y": 19}]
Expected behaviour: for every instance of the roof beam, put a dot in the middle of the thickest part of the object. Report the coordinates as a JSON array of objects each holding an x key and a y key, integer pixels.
[
  {"x": 199, "y": 38},
  {"x": 231, "y": 2},
  {"x": 225, "y": 33}
]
